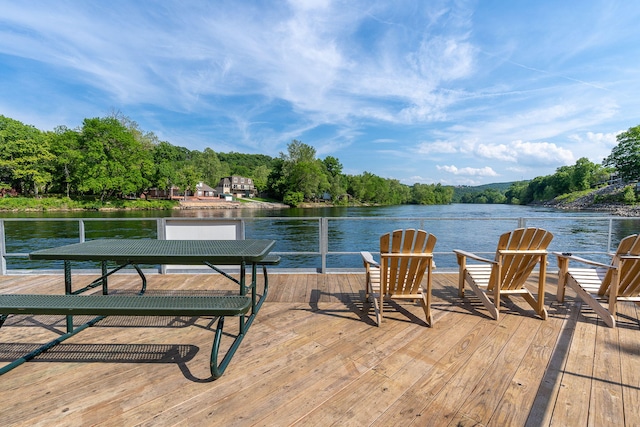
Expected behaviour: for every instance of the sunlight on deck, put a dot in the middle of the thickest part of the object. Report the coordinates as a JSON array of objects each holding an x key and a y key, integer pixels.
[{"x": 313, "y": 357}]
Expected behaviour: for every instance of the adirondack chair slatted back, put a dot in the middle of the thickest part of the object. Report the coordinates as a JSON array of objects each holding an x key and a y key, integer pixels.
[
  {"x": 629, "y": 270},
  {"x": 513, "y": 269},
  {"x": 402, "y": 274}
]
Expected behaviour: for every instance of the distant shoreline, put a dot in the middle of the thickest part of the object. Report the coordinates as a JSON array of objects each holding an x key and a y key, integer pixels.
[
  {"x": 617, "y": 210},
  {"x": 203, "y": 204},
  {"x": 579, "y": 205}
]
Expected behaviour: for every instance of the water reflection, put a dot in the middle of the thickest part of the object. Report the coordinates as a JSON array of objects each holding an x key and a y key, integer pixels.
[{"x": 471, "y": 227}]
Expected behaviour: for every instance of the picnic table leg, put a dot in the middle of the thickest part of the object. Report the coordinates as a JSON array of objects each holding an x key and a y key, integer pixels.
[
  {"x": 265, "y": 289},
  {"x": 243, "y": 292},
  {"x": 105, "y": 286},
  {"x": 143, "y": 278},
  {"x": 254, "y": 284},
  {"x": 218, "y": 369},
  {"x": 68, "y": 291}
]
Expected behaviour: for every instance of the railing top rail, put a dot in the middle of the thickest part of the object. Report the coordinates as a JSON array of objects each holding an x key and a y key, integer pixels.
[
  {"x": 341, "y": 218},
  {"x": 510, "y": 218}
]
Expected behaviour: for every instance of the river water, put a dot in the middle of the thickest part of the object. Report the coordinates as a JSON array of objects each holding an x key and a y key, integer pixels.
[{"x": 349, "y": 230}]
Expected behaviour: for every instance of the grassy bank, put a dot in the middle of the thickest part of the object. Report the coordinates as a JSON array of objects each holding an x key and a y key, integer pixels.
[{"x": 17, "y": 204}]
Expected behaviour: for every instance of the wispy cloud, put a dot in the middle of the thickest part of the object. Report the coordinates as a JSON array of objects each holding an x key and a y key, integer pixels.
[
  {"x": 485, "y": 171},
  {"x": 427, "y": 83}
]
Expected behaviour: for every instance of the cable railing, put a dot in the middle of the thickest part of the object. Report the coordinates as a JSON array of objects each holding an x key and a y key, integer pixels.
[{"x": 310, "y": 244}]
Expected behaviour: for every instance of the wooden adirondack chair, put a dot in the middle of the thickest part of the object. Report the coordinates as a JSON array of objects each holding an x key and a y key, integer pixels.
[
  {"x": 519, "y": 251},
  {"x": 618, "y": 281},
  {"x": 405, "y": 257}
]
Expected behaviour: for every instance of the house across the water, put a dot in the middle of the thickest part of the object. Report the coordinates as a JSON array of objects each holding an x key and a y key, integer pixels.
[{"x": 230, "y": 186}]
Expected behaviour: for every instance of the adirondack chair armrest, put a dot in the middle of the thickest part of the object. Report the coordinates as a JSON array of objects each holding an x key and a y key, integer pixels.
[
  {"x": 568, "y": 256},
  {"x": 367, "y": 258},
  {"x": 407, "y": 255},
  {"x": 464, "y": 254},
  {"x": 524, "y": 251}
]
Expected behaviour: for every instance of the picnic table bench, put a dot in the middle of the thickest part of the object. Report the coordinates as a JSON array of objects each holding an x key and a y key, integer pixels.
[{"x": 119, "y": 305}]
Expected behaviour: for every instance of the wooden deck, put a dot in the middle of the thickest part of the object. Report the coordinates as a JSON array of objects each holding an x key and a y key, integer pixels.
[{"x": 313, "y": 358}]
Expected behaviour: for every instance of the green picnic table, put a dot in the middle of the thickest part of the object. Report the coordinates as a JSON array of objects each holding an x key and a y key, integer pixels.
[{"x": 136, "y": 252}]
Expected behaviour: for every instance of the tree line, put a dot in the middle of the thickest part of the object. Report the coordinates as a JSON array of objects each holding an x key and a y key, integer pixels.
[
  {"x": 623, "y": 165},
  {"x": 112, "y": 157}
]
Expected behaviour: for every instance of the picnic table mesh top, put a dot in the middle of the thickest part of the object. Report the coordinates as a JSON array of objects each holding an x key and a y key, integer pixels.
[{"x": 160, "y": 251}]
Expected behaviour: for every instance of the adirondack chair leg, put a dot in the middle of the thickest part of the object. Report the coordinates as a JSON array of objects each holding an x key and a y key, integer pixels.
[
  {"x": 491, "y": 306},
  {"x": 613, "y": 294},
  {"x": 542, "y": 279},
  {"x": 606, "y": 316},
  {"x": 535, "y": 304},
  {"x": 373, "y": 299},
  {"x": 427, "y": 309},
  {"x": 563, "y": 266},
  {"x": 462, "y": 262}
]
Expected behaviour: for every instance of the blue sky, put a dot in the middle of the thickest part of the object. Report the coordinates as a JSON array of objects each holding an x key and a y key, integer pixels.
[{"x": 451, "y": 92}]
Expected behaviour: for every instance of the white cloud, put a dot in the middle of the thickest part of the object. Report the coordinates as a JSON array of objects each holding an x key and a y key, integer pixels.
[
  {"x": 446, "y": 147},
  {"x": 604, "y": 138},
  {"x": 485, "y": 171},
  {"x": 417, "y": 179},
  {"x": 526, "y": 152}
]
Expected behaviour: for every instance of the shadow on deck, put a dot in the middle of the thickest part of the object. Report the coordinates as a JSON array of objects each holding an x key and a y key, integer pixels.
[{"x": 314, "y": 357}]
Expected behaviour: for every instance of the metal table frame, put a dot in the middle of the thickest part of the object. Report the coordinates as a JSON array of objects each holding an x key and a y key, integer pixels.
[{"x": 132, "y": 252}]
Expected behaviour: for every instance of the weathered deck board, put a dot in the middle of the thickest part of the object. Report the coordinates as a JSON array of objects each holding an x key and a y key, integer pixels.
[{"x": 313, "y": 357}]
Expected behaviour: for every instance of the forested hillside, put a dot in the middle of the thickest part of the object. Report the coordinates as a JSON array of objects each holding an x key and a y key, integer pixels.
[{"x": 111, "y": 157}]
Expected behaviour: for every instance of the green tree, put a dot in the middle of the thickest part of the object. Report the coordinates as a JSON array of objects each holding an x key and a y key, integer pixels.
[
  {"x": 167, "y": 159},
  {"x": 187, "y": 178},
  {"x": 260, "y": 177},
  {"x": 208, "y": 166},
  {"x": 67, "y": 156},
  {"x": 25, "y": 159},
  {"x": 302, "y": 172},
  {"x": 583, "y": 174},
  {"x": 300, "y": 152},
  {"x": 625, "y": 157},
  {"x": 333, "y": 169},
  {"x": 561, "y": 181},
  {"x": 276, "y": 185},
  {"x": 113, "y": 161},
  {"x": 516, "y": 193},
  {"x": 423, "y": 194},
  {"x": 308, "y": 178}
]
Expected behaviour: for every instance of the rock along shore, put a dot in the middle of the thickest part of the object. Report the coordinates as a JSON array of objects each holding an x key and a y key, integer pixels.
[
  {"x": 587, "y": 203},
  {"x": 215, "y": 204}
]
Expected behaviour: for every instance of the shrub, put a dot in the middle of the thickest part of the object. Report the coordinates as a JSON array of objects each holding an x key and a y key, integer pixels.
[
  {"x": 629, "y": 195},
  {"x": 293, "y": 198}
]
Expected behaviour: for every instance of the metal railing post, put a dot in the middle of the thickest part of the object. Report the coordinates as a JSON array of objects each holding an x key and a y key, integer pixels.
[
  {"x": 324, "y": 243},
  {"x": 522, "y": 222},
  {"x": 610, "y": 234},
  {"x": 3, "y": 250},
  {"x": 81, "y": 230}
]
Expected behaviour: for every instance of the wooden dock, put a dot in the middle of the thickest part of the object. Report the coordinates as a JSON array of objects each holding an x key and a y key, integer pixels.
[{"x": 313, "y": 358}]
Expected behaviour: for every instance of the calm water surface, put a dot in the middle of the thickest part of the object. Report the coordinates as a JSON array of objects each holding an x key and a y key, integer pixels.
[{"x": 471, "y": 227}]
